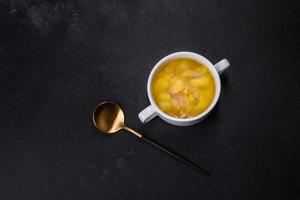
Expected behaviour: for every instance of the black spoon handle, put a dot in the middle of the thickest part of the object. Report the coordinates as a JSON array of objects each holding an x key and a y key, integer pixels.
[{"x": 174, "y": 155}]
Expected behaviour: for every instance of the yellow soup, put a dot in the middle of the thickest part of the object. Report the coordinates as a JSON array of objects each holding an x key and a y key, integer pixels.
[{"x": 183, "y": 88}]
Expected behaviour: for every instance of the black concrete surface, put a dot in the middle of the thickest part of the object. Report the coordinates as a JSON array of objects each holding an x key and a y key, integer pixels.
[{"x": 59, "y": 59}]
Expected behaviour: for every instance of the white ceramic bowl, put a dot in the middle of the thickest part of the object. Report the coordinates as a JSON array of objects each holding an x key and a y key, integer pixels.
[{"x": 153, "y": 110}]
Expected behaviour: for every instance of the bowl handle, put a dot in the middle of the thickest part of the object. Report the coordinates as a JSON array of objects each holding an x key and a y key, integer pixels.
[
  {"x": 222, "y": 65},
  {"x": 147, "y": 114}
]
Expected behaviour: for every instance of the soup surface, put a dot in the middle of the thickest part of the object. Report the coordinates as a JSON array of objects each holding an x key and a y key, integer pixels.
[{"x": 183, "y": 88}]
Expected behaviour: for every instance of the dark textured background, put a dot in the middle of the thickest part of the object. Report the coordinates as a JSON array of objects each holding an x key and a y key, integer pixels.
[{"x": 59, "y": 59}]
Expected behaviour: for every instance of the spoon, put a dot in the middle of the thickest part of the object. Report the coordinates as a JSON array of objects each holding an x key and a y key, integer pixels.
[{"x": 108, "y": 117}]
